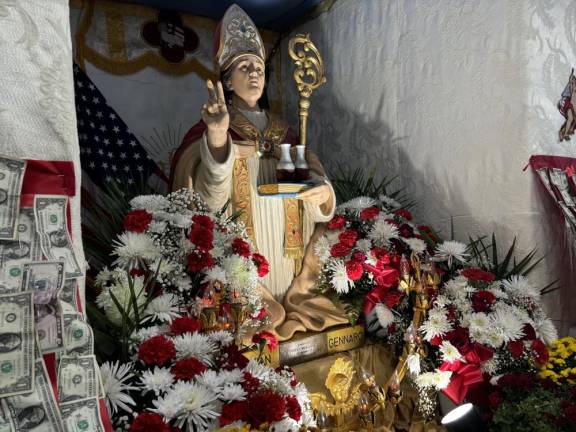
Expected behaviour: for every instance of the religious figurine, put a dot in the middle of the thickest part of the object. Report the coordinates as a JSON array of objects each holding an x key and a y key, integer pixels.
[{"x": 236, "y": 147}]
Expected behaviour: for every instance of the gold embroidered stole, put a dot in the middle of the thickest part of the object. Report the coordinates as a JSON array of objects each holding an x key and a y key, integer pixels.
[{"x": 275, "y": 133}]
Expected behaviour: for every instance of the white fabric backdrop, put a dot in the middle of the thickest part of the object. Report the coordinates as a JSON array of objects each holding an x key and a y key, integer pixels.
[
  {"x": 454, "y": 97},
  {"x": 37, "y": 114}
]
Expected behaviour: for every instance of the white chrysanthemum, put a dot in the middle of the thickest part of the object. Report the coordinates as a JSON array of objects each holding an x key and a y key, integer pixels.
[
  {"x": 322, "y": 249},
  {"x": 215, "y": 381},
  {"x": 357, "y": 204},
  {"x": 417, "y": 245},
  {"x": 519, "y": 286},
  {"x": 390, "y": 202},
  {"x": 258, "y": 370},
  {"x": 163, "y": 308},
  {"x": 241, "y": 273},
  {"x": 157, "y": 380},
  {"x": 437, "y": 324},
  {"x": 545, "y": 329},
  {"x": 232, "y": 392},
  {"x": 451, "y": 250},
  {"x": 450, "y": 353},
  {"x": 287, "y": 424},
  {"x": 413, "y": 362},
  {"x": 438, "y": 380},
  {"x": 498, "y": 293},
  {"x": 441, "y": 301},
  {"x": 384, "y": 314},
  {"x": 457, "y": 287},
  {"x": 188, "y": 404},
  {"x": 132, "y": 248},
  {"x": 382, "y": 232},
  {"x": 339, "y": 279},
  {"x": 507, "y": 322},
  {"x": 477, "y": 321},
  {"x": 195, "y": 345},
  {"x": 183, "y": 283},
  {"x": 215, "y": 274},
  {"x": 182, "y": 219},
  {"x": 150, "y": 203},
  {"x": 364, "y": 245},
  {"x": 491, "y": 366},
  {"x": 157, "y": 227},
  {"x": 121, "y": 292},
  {"x": 494, "y": 338},
  {"x": 114, "y": 377},
  {"x": 103, "y": 276},
  {"x": 147, "y": 333},
  {"x": 162, "y": 267},
  {"x": 221, "y": 337}
]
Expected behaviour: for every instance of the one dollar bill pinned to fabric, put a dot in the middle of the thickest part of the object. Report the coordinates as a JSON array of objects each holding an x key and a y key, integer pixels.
[{"x": 11, "y": 177}]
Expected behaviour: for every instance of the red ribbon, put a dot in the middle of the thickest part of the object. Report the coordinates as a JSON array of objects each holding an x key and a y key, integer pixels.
[{"x": 385, "y": 279}]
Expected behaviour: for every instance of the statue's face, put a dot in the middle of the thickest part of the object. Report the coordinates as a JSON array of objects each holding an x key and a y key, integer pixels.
[{"x": 247, "y": 78}]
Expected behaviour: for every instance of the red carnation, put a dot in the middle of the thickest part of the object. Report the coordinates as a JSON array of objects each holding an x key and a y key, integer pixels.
[
  {"x": 156, "y": 351},
  {"x": 293, "y": 408},
  {"x": 529, "y": 332},
  {"x": 348, "y": 237},
  {"x": 540, "y": 351},
  {"x": 198, "y": 262},
  {"x": 267, "y": 338},
  {"x": 369, "y": 213},
  {"x": 203, "y": 238},
  {"x": 359, "y": 257},
  {"x": 516, "y": 348},
  {"x": 261, "y": 314},
  {"x": 185, "y": 325},
  {"x": 148, "y": 422},
  {"x": 266, "y": 406},
  {"x": 203, "y": 221},
  {"x": 436, "y": 341},
  {"x": 403, "y": 213},
  {"x": 339, "y": 250},
  {"x": 381, "y": 254},
  {"x": 406, "y": 231},
  {"x": 241, "y": 247},
  {"x": 233, "y": 411},
  {"x": 187, "y": 368},
  {"x": 482, "y": 300},
  {"x": 261, "y": 264},
  {"x": 354, "y": 270},
  {"x": 473, "y": 273},
  {"x": 137, "y": 221},
  {"x": 232, "y": 358},
  {"x": 337, "y": 222}
]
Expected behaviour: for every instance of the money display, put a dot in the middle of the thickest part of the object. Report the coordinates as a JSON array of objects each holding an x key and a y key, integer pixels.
[
  {"x": 6, "y": 423},
  {"x": 11, "y": 176},
  {"x": 38, "y": 410},
  {"x": 78, "y": 378},
  {"x": 17, "y": 343},
  {"x": 78, "y": 337},
  {"x": 13, "y": 253},
  {"x": 51, "y": 224},
  {"x": 81, "y": 416},
  {"x": 68, "y": 295}
]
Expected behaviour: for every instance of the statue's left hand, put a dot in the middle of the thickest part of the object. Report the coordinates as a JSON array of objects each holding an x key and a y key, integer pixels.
[{"x": 317, "y": 195}]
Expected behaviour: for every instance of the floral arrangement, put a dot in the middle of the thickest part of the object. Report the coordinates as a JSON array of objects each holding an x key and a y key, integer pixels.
[
  {"x": 361, "y": 254},
  {"x": 561, "y": 365},
  {"x": 478, "y": 327},
  {"x": 182, "y": 379}
]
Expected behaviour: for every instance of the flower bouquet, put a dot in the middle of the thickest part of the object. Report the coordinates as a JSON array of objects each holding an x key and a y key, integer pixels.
[{"x": 361, "y": 253}]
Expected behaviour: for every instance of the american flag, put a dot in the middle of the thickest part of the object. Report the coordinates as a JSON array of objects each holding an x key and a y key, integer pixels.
[{"x": 108, "y": 150}]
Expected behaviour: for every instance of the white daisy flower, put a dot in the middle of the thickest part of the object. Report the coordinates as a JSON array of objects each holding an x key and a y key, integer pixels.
[
  {"x": 451, "y": 250},
  {"x": 221, "y": 337},
  {"x": 417, "y": 245},
  {"x": 150, "y": 203},
  {"x": 508, "y": 323},
  {"x": 413, "y": 362},
  {"x": 188, "y": 404},
  {"x": 357, "y": 204},
  {"x": 519, "y": 286},
  {"x": 322, "y": 249},
  {"x": 195, "y": 345},
  {"x": 339, "y": 278},
  {"x": 215, "y": 274},
  {"x": 163, "y": 308},
  {"x": 121, "y": 292},
  {"x": 384, "y": 314},
  {"x": 232, "y": 392},
  {"x": 114, "y": 377},
  {"x": 449, "y": 352},
  {"x": 390, "y": 202},
  {"x": 545, "y": 329},
  {"x": 157, "y": 380},
  {"x": 382, "y": 232},
  {"x": 132, "y": 248},
  {"x": 437, "y": 324}
]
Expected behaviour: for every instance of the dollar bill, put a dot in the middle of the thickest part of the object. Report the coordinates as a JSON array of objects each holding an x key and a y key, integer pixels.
[
  {"x": 52, "y": 226},
  {"x": 36, "y": 411},
  {"x": 78, "y": 378},
  {"x": 44, "y": 279},
  {"x": 17, "y": 343},
  {"x": 14, "y": 253},
  {"x": 82, "y": 416},
  {"x": 78, "y": 336},
  {"x": 6, "y": 422},
  {"x": 68, "y": 295},
  {"x": 11, "y": 176}
]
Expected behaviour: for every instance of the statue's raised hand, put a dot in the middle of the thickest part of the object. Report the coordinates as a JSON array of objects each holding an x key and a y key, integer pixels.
[{"x": 215, "y": 115}]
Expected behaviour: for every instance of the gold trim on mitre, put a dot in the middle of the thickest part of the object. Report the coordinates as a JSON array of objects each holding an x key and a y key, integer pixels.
[{"x": 238, "y": 37}]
